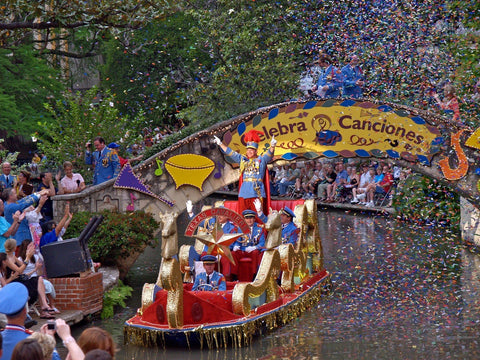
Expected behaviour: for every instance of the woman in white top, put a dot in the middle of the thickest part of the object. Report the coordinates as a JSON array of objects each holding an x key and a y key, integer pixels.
[{"x": 71, "y": 182}]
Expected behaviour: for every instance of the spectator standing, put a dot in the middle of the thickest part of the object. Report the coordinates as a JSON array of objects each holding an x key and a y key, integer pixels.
[
  {"x": 450, "y": 102},
  {"x": 47, "y": 185},
  {"x": 330, "y": 79},
  {"x": 353, "y": 79},
  {"x": 71, "y": 182},
  {"x": 6, "y": 229},
  {"x": 22, "y": 186},
  {"x": 7, "y": 180},
  {"x": 105, "y": 161},
  {"x": 12, "y": 205}
]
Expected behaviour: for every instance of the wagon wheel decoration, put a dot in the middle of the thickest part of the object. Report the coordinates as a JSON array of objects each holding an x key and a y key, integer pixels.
[{"x": 217, "y": 241}]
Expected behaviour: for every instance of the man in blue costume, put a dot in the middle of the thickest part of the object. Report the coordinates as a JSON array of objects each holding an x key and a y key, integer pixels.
[
  {"x": 330, "y": 79},
  {"x": 105, "y": 161},
  {"x": 250, "y": 245},
  {"x": 12, "y": 205},
  {"x": 289, "y": 229},
  {"x": 226, "y": 226},
  {"x": 210, "y": 280},
  {"x": 6, "y": 179},
  {"x": 353, "y": 79},
  {"x": 13, "y": 301},
  {"x": 252, "y": 169}
]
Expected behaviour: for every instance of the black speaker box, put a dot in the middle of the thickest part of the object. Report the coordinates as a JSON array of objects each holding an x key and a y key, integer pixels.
[{"x": 64, "y": 258}]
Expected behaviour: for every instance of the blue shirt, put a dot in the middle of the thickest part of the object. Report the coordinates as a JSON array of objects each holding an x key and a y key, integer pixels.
[
  {"x": 23, "y": 231},
  {"x": 4, "y": 226},
  {"x": 256, "y": 238},
  {"x": 378, "y": 178},
  {"x": 341, "y": 175},
  {"x": 333, "y": 79},
  {"x": 350, "y": 76},
  {"x": 253, "y": 172},
  {"x": 289, "y": 233},
  {"x": 7, "y": 181},
  {"x": 106, "y": 162},
  {"x": 48, "y": 238},
  {"x": 217, "y": 282},
  {"x": 12, "y": 335}
]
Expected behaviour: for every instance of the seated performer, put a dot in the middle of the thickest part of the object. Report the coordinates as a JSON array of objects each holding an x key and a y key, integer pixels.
[
  {"x": 210, "y": 280},
  {"x": 250, "y": 245},
  {"x": 207, "y": 226},
  {"x": 289, "y": 229}
]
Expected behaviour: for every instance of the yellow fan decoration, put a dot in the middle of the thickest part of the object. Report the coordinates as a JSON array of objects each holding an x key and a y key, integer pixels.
[{"x": 189, "y": 169}]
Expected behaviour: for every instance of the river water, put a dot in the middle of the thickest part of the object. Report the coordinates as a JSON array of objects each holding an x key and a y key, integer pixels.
[{"x": 400, "y": 292}]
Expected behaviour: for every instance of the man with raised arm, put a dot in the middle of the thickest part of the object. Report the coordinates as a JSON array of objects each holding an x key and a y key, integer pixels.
[{"x": 252, "y": 168}]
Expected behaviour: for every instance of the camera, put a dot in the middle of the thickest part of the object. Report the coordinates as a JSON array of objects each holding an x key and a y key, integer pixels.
[{"x": 51, "y": 325}]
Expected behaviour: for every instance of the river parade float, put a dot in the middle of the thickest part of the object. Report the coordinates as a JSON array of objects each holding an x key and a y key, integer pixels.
[{"x": 289, "y": 280}]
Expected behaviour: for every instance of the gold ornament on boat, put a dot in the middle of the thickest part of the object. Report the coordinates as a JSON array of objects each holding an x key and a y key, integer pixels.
[{"x": 189, "y": 169}]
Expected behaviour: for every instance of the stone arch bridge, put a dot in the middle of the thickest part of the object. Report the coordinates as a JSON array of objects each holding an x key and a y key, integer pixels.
[{"x": 194, "y": 167}]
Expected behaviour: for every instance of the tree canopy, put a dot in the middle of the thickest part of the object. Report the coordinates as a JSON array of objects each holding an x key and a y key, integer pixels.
[{"x": 45, "y": 23}]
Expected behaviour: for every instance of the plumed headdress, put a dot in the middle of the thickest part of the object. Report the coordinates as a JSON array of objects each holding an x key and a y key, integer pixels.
[{"x": 252, "y": 138}]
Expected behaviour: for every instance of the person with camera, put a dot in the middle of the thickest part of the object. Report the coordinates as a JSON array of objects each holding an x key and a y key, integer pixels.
[{"x": 105, "y": 161}]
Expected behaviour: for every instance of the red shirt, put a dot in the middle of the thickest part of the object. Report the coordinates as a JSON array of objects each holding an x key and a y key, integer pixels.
[{"x": 387, "y": 181}]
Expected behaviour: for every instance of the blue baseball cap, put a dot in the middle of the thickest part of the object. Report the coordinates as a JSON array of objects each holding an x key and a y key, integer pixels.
[
  {"x": 209, "y": 259},
  {"x": 287, "y": 211},
  {"x": 13, "y": 298},
  {"x": 113, "y": 145},
  {"x": 249, "y": 213}
]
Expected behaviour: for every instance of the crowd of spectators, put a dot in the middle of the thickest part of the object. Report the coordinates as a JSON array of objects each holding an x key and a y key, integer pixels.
[
  {"x": 339, "y": 181},
  {"x": 19, "y": 343}
]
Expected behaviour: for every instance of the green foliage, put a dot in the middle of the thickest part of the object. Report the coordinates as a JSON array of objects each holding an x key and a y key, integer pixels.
[
  {"x": 26, "y": 82},
  {"x": 71, "y": 19},
  {"x": 79, "y": 118},
  {"x": 421, "y": 199},
  {"x": 255, "y": 54},
  {"x": 465, "y": 46},
  {"x": 118, "y": 236},
  {"x": 151, "y": 75},
  {"x": 115, "y": 297}
]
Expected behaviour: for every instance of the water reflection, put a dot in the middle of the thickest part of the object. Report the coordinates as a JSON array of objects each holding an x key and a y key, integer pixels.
[{"x": 401, "y": 292}]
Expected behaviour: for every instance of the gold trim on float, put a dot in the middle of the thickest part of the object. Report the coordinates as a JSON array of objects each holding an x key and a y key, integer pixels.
[{"x": 236, "y": 335}]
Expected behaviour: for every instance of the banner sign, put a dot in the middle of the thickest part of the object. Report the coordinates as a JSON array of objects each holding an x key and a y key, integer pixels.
[{"x": 347, "y": 129}]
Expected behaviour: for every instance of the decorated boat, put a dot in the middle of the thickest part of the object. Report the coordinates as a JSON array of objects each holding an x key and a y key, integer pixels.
[{"x": 289, "y": 280}]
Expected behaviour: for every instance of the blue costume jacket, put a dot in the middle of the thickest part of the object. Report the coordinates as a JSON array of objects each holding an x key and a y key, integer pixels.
[
  {"x": 228, "y": 228},
  {"x": 23, "y": 231},
  {"x": 289, "y": 233},
  {"x": 350, "y": 76},
  {"x": 7, "y": 181},
  {"x": 217, "y": 282},
  {"x": 253, "y": 172},
  {"x": 333, "y": 78},
  {"x": 256, "y": 238},
  {"x": 107, "y": 164},
  {"x": 12, "y": 335}
]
